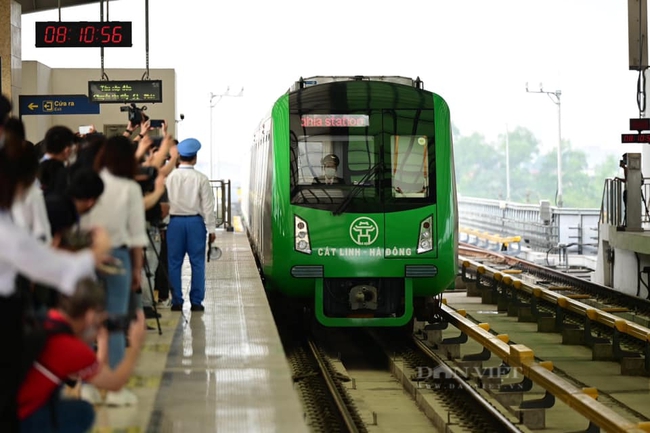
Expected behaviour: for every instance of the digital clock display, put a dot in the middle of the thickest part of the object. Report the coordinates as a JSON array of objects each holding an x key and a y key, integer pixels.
[
  {"x": 83, "y": 34},
  {"x": 124, "y": 92}
]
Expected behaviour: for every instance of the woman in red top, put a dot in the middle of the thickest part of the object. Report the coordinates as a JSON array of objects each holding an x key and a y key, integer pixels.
[{"x": 69, "y": 355}]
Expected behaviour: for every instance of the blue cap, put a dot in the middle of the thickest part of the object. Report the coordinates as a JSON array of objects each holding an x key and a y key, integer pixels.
[{"x": 189, "y": 147}]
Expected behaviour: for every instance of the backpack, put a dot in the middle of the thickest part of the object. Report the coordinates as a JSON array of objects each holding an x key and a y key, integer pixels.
[
  {"x": 36, "y": 331},
  {"x": 37, "y": 326}
]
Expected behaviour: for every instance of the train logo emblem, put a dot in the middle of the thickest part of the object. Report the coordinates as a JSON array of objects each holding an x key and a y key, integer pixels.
[{"x": 364, "y": 231}]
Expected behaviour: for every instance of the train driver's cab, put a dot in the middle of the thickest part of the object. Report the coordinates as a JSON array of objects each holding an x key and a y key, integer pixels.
[{"x": 361, "y": 169}]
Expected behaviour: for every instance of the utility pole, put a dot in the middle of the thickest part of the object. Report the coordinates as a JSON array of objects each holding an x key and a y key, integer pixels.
[
  {"x": 212, "y": 97},
  {"x": 555, "y": 97},
  {"x": 507, "y": 166}
]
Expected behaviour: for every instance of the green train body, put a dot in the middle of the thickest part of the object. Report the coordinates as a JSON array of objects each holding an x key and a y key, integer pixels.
[{"x": 378, "y": 245}]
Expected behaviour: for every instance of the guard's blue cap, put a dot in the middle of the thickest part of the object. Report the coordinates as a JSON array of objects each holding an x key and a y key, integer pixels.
[{"x": 189, "y": 147}]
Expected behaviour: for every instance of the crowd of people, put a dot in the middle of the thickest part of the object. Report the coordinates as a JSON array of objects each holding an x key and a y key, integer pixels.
[{"x": 84, "y": 226}]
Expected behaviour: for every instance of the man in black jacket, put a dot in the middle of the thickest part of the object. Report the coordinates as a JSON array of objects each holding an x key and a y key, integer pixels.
[{"x": 53, "y": 174}]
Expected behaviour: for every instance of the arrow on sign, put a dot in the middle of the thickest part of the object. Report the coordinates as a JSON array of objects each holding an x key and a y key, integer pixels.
[{"x": 32, "y": 106}]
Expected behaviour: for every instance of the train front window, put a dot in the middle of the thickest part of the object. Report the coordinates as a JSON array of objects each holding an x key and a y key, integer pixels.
[
  {"x": 381, "y": 161},
  {"x": 409, "y": 166},
  {"x": 326, "y": 167}
]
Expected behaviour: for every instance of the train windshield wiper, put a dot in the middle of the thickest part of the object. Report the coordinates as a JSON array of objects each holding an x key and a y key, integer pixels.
[{"x": 370, "y": 175}]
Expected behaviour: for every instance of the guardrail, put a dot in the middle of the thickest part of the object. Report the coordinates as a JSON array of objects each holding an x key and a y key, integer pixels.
[
  {"x": 540, "y": 226},
  {"x": 222, "y": 203},
  {"x": 582, "y": 400},
  {"x": 505, "y": 244}
]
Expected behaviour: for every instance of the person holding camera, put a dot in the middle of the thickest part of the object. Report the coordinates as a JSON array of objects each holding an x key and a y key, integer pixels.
[
  {"x": 22, "y": 253},
  {"x": 191, "y": 209},
  {"x": 67, "y": 355},
  {"x": 152, "y": 181},
  {"x": 121, "y": 210}
]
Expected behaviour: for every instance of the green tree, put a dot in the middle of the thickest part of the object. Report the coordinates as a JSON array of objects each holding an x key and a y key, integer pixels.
[
  {"x": 481, "y": 170},
  {"x": 475, "y": 162},
  {"x": 523, "y": 150}
]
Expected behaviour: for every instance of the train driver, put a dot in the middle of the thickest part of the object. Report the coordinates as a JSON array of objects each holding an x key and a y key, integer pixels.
[{"x": 330, "y": 164}]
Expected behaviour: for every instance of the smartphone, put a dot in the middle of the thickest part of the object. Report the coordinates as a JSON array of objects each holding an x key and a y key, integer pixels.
[
  {"x": 83, "y": 130},
  {"x": 157, "y": 123}
]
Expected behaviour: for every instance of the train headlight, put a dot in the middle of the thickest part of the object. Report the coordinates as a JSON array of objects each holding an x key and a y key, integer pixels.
[
  {"x": 425, "y": 241},
  {"x": 301, "y": 238}
]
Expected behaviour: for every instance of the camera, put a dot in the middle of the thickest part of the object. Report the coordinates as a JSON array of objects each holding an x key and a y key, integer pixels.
[
  {"x": 146, "y": 178},
  {"x": 76, "y": 240},
  {"x": 136, "y": 115},
  {"x": 117, "y": 323},
  {"x": 122, "y": 322}
]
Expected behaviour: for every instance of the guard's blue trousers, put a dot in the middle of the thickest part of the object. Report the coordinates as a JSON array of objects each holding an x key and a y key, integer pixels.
[{"x": 187, "y": 235}]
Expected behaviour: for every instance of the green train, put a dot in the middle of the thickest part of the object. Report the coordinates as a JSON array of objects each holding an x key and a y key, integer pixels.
[{"x": 350, "y": 202}]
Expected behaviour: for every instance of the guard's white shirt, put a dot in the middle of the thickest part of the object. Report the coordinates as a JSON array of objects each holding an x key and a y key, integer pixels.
[
  {"x": 120, "y": 210},
  {"x": 31, "y": 213},
  {"x": 21, "y": 252},
  {"x": 190, "y": 193}
]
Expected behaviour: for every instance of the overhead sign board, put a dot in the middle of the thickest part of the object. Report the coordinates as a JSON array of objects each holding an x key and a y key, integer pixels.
[
  {"x": 125, "y": 92},
  {"x": 56, "y": 104}
]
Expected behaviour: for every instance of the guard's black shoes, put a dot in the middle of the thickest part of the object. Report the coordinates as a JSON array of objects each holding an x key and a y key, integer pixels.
[
  {"x": 177, "y": 307},
  {"x": 149, "y": 313},
  {"x": 197, "y": 307}
]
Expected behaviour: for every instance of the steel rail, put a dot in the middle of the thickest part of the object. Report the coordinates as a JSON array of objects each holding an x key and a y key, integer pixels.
[
  {"x": 522, "y": 357},
  {"x": 507, "y": 425},
  {"x": 346, "y": 416}
]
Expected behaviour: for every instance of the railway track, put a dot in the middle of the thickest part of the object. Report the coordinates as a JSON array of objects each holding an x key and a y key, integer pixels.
[
  {"x": 457, "y": 392},
  {"x": 609, "y": 325},
  {"x": 327, "y": 406},
  {"x": 450, "y": 401},
  {"x": 584, "y": 312},
  {"x": 570, "y": 284}
]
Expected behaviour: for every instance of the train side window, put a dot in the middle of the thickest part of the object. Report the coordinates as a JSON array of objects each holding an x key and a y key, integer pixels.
[{"x": 409, "y": 166}]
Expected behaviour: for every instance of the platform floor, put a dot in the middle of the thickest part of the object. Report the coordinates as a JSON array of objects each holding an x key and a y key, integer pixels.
[{"x": 222, "y": 370}]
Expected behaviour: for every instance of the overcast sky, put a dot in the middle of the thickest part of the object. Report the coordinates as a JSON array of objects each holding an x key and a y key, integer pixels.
[{"x": 476, "y": 54}]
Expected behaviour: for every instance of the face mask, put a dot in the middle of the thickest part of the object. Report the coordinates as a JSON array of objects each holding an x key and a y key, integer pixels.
[{"x": 330, "y": 172}]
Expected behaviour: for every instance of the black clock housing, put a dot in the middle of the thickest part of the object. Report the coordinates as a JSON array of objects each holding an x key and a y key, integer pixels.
[{"x": 83, "y": 34}]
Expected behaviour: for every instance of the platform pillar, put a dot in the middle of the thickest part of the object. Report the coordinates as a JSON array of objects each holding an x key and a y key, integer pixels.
[{"x": 10, "y": 51}]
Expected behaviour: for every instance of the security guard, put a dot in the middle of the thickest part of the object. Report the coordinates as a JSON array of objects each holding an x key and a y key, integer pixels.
[{"x": 191, "y": 210}]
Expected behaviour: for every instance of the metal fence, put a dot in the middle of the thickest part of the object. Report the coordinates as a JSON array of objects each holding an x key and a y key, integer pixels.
[
  {"x": 221, "y": 192},
  {"x": 612, "y": 209},
  {"x": 541, "y": 226}
]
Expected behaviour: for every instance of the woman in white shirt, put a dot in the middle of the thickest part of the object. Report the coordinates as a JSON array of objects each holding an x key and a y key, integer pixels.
[
  {"x": 120, "y": 209},
  {"x": 21, "y": 252}
]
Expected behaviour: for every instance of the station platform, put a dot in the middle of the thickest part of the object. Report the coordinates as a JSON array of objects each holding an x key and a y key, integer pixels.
[
  {"x": 222, "y": 370},
  {"x": 626, "y": 395}
]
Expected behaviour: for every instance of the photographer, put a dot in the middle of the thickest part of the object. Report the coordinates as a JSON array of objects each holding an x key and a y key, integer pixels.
[
  {"x": 121, "y": 210},
  {"x": 22, "y": 253},
  {"x": 68, "y": 355},
  {"x": 157, "y": 209}
]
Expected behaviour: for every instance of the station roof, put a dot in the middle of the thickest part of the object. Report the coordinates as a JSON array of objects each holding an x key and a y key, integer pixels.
[{"x": 29, "y": 6}]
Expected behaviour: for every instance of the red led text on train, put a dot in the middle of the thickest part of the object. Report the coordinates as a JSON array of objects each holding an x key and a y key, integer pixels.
[{"x": 334, "y": 120}]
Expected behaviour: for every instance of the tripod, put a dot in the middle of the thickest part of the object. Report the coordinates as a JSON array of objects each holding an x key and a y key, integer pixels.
[
  {"x": 165, "y": 273},
  {"x": 149, "y": 274}
]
